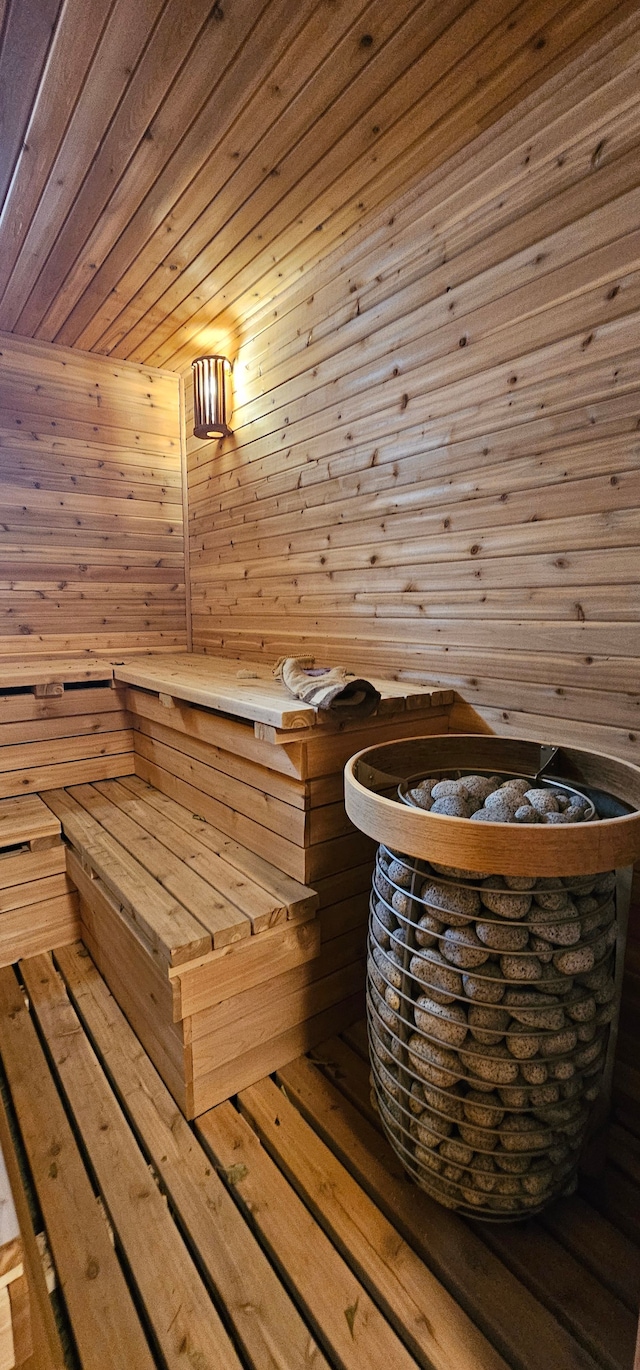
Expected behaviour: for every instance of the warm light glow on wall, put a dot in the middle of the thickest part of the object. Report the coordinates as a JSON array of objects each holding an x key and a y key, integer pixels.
[{"x": 211, "y": 397}]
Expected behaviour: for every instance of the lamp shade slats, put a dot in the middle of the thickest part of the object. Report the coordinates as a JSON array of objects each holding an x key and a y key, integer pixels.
[{"x": 211, "y": 409}]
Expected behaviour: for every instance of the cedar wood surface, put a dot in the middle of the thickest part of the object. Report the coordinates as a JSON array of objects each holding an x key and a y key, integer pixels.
[
  {"x": 435, "y": 465},
  {"x": 434, "y": 468},
  {"x": 91, "y": 548},
  {"x": 414, "y": 229},
  {"x": 169, "y": 164},
  {"x": 384, "y": 1275}
]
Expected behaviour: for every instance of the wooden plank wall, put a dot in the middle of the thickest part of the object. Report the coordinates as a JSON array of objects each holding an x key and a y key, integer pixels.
[
  {"x": 84, "y": 734},
  {"x": 91, "y": 548},
  {"x": 435, "y": 467}
]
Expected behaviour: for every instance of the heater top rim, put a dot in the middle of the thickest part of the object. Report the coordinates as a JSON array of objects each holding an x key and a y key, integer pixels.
[{"x": 511, "y": 849}]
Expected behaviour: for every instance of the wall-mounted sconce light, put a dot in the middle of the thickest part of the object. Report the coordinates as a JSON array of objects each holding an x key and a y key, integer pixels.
[{"x": 211, "y": 400}]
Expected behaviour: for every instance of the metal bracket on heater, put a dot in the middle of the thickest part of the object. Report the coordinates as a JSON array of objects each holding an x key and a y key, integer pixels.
[{"x": 547, "y": 754}]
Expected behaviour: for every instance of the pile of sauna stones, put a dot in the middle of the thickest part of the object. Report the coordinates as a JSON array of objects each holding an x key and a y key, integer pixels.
[
  {"x": 489, "y": 1004},
  {"x": 490, "y": 799}
]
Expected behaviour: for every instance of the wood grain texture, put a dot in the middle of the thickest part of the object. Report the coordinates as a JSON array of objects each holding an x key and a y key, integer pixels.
[
  {"x": 61, "y": 722},
  {"x": 263, "y": 1317},
  {"x": 38, "y": 927},
  {"x": 371, "y": 779},
  {"x": 438, "y": 1333},
  {"x": 91, "y": 549},
  {"x": 25, "y": 819},
  {"x": 530, "y": 1336},
  {"x": 166, "y": 173},
  {"x": 172, "y": 933},
  {"x": 139, "y": 985},
  {"x": 291, "y": 1207},
  {"x": 40, "y": 1329},
  {"x": 105, "y": 1323},
  {"x": 321, "y": 1281},
  {"x": 229, "y": 1013},
  {"x": 435, "y": 463},
  {"x": 175, "y": 1300}
]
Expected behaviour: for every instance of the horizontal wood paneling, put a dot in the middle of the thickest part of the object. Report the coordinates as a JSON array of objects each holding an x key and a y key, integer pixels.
[
  {"x": 168, "y": 169},
  {"x": 91, "y": 546},
  {"x": 435, "y": 471},
  {"x": 52, "y": 920},
  {"x": 82, "y": 735}
]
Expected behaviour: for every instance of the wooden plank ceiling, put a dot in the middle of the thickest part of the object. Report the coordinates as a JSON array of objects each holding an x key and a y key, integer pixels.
[{"x": 165, "y": 168}]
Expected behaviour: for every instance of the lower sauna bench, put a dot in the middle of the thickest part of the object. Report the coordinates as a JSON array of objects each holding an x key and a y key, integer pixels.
[
  {"x": 215, "y": 956},
  {"x": 278, "y": 1230}
]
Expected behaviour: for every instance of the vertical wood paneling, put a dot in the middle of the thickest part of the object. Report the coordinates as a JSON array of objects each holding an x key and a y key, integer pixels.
[
  {"x": 91, "y": 547},
  {"x": 435, "y": 471}
]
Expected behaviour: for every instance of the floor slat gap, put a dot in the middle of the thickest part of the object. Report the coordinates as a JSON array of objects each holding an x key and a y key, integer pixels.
[
  {"x": 284, "y": 1218},
  {"x": 347, "y": 1073},
  {"x": 229, "y": 1260}
]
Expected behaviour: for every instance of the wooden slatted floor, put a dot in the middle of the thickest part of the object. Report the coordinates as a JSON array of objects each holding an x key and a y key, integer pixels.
[{"x": 278, "y": 1233}]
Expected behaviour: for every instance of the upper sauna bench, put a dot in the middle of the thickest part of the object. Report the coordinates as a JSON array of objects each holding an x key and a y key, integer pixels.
[
  {"x": 250, "y": 691},
  {"x": 244, "y": 690}
]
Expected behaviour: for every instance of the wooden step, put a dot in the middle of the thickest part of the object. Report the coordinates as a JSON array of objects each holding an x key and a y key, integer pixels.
[
  {"x": 282, "y": 892},
  {"x": 216, "y": 915},
  {"x": 213, "y": 954},
  {"x": 173, "y": 934},
  {"x": 138, "y": 981},
  {"x": 26, "y": 820},
  {"x": 169, "y": 870}
]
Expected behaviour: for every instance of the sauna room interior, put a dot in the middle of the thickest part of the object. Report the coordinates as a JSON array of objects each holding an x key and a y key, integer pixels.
[{"x": 401, "y": 244}]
